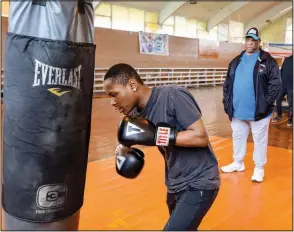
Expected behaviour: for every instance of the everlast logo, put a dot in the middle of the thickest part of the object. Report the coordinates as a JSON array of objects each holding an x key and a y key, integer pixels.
[
  {"x": 162, "y": 138},
  {"x": 46, "y": 75}
]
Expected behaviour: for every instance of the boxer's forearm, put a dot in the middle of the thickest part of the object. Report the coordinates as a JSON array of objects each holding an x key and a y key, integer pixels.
[
  {"x": 191, "y": 138},
  {"x": 194, "y": 136}
]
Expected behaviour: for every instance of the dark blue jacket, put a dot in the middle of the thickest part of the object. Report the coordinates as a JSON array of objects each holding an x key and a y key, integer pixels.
[
  {"x": 287, "y": 72},
  {"x": 267, "y": 84}
]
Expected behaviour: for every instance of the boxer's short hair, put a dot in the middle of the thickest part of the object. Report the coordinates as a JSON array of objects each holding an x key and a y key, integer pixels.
[{"x": 121, "y": 73}]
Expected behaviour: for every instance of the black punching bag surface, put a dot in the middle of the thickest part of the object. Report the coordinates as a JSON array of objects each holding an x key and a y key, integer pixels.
[{"x": 48, "y": 87}]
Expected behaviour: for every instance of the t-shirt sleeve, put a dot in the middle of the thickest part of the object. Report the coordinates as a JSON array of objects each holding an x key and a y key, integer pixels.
[{"x": 185, "y": 107}]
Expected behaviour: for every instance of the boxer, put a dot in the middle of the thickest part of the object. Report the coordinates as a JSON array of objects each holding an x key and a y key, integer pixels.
[{"x": 168, "y": 117}]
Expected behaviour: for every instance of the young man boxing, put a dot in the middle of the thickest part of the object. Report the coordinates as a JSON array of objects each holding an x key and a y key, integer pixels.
[{"x": 167, "y": 117}]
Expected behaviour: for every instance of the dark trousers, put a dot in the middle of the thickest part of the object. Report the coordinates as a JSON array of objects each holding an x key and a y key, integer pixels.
[
  {"x": 188, "y": 208},
  {"x": 289, "y": 92}
]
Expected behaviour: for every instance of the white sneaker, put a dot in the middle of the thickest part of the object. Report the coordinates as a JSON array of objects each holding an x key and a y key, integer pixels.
[
  {"x": 234, "y": 167},
  {"x": 258, "y": 175}
]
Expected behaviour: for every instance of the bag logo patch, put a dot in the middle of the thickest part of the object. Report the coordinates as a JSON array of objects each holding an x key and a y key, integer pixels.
[{"x": 51, "y": 198}]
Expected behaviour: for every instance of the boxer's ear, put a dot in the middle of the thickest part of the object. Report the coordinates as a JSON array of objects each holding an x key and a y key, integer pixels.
[{"x": 134, "y": 85}]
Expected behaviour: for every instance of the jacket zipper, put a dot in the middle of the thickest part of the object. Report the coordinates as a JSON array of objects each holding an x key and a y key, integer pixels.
[
  {"x": 256, "y": 100},
  {"x": 256, "y": 87}
]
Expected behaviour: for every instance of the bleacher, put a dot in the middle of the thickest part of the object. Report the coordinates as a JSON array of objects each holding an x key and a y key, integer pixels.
[{"x": 186, "y": 77}]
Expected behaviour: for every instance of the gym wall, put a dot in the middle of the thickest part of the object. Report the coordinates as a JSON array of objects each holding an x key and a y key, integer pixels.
[{"x": 115, "y": 46}]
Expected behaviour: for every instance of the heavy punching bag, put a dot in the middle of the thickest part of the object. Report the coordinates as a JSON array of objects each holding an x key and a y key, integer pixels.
[{"x": 48, "y": 86}]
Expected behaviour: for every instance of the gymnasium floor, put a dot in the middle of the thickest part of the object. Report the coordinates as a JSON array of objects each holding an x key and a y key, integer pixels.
[{"x": 114, "y": 203}]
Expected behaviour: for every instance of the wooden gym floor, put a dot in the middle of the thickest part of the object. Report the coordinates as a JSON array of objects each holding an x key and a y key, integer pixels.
[{"x": 114, "y": 203}]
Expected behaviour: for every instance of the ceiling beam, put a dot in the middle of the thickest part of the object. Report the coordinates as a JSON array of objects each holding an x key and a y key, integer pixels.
[
  {"x": 169, "y": 9},
  {"x": 224, "y": 13},
  {"x": 96, "y": 3},
  {"x": 274, "y": 12}
]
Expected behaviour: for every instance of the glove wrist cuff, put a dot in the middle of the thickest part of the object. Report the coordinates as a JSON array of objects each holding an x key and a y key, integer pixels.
[{"x": 165, "y": 136}]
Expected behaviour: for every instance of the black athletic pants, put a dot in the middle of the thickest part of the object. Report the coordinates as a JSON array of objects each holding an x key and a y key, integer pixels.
[
  {"x": 188, "y": 208},
  {"x": 289, "y": 92}
]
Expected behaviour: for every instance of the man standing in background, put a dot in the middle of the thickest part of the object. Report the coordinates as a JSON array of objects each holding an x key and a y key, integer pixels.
[
  {"x": 287, "y": 89},
  {"x": 250, "y": 89}
]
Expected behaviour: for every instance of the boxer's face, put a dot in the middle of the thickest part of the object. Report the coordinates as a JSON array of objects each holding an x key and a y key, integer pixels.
[{"x": 123, "y": 97}]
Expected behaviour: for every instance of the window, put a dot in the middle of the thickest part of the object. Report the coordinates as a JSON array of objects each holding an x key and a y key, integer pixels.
[
  {"x": 180, "y": 26},
  {"x": 136, "y": 20},
  {"x": 236, "y": 30},
  {"x": 167, "y": 30},
  {"x": 185, "y": 27},
  {"x": 191, "y": 28},
  {"x": 103, "y": 9},
  {"x": 130, "y": 19},
  {"x": 152, "y": 27},
  {"x": 289, "y": 31},
  {"x": 168, "y": 26},
  {"x": 151, "y": 17},
  {"x": 103, "y": 15},
  {"x": 170, "y": 21},
  {"x": 212, "y": 35},
  {"x": 223, "y": 32},
  {"x": 201, "y": 30},
  {"x": 120, "y": 17},
  {"x": 101, "y": 21},
  {"x": 151, "y": 22}
]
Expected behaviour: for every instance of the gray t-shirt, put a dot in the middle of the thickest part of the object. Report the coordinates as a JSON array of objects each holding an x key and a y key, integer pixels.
[{"x": 185, "y": 167}]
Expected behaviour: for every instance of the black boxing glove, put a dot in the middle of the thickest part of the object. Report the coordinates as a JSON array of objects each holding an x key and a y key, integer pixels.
[
  {"x": 136, "y": 131},
  {"x": 129, "y": 161},
  {"x": 140, "y": 131}
]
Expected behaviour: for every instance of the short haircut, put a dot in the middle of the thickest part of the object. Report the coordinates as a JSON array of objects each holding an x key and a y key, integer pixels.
[{"x": 122, "y": 73}]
